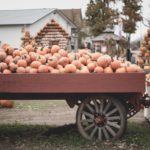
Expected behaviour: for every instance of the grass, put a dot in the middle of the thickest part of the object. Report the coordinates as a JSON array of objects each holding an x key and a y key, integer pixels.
[
  {"x": 43, "y": 137},
  {"x": 38, "y": 104}
]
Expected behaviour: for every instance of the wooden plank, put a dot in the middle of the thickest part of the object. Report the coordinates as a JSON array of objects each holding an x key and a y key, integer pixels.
[{"x": 72, "y": 83}]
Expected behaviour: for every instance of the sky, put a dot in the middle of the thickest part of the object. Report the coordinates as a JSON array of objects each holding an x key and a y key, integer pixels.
[{"x": 68, "y": 4}]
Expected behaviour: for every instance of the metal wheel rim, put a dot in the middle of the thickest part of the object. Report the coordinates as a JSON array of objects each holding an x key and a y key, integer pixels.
[{"x": 110, "y": 125}]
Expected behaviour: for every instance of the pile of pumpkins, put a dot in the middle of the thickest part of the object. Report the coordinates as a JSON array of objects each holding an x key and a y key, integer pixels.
[{"x": 30, "y": 59}]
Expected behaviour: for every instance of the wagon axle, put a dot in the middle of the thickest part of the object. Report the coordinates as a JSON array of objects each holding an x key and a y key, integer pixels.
[{"x": 100, "y": 120}]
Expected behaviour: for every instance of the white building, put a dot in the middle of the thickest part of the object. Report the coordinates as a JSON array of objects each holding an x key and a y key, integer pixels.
[{"x": 13, "y": 23}]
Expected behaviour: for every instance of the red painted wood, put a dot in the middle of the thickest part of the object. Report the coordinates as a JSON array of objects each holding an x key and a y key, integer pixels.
[{"x": 72, "y": 83}]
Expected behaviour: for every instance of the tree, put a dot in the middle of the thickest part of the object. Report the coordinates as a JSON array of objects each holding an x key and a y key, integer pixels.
[
  {"x": 131, "y": 13},
  {"x": 100, "y": 14}
]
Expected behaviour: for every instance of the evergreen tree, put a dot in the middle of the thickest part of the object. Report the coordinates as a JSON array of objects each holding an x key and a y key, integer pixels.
[
  {"x": 100, "y": 14},
  {"x": 131, "y": 13}
]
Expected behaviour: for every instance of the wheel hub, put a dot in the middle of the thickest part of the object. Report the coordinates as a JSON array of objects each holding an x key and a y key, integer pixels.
[{"x": 100, "y": 120}]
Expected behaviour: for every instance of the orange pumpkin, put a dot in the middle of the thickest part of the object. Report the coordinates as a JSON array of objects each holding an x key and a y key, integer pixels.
[
  {"x": 91, "y": 66},
  {"x": 115, "y": 64},
  {"x": 6, "y": 103}
]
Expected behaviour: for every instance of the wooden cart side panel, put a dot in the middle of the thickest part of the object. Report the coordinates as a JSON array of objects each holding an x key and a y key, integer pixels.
[{"x": 72, "y": 83}]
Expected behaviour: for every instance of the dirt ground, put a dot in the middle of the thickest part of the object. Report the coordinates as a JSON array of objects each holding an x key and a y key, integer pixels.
[{"x": 45, "y": 112}]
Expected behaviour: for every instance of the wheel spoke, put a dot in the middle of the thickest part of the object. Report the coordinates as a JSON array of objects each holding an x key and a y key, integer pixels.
[
  {"x": 111, "y": 112},
  {"x": 88, "y": 114},
  {"x": 114, "y": 118},
  {"x": 105, "y": 133},
  {"x": 96, "y": 105},
  {"x": 87, "y": 121},
  {"x": 100, "y": 134},
  {"x": 101, "y": 106},
  {"x": 113, "y": 124},
  {"x": 89, "y": 127},
  {"x": 93, "y": 132},
  {"x": 107, "y": 107},
  {"x": 90, "y": 108},
  {"x": 111, "y": 131}
]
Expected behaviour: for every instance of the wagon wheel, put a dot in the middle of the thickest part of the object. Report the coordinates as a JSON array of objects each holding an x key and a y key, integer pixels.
[{"x": 101, "y": 118}]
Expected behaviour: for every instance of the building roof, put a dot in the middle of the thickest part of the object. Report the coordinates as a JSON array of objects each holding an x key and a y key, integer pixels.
[
  {"x": 106, "y": 36},
  {"x": 74, "y": 15},
  {"x": 24, "y": 16}
]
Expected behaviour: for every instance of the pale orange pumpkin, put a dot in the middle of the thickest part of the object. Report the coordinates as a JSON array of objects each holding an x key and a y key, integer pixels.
[
  {"x": 43, "y": 69},
  {"x": 3, "y": 66},
  {"x": 76, "y": 63},
  {"x": 22, "y": 63},
  {"x": 29, "y": 48},
  {"x": 55, "y": 71},
  {"x": 55, "y": 49},
  {"x": 83, "y": 60},
  {"x": 102, "y": 62},
  {"x": 8, "y": 59},
  {"x": 98, "y": 69},
  {"x": 95, "y": 56},
  {"x": 108, "y": 70},
  {"x": 21, "y": 70},
  {"x": 33, "y": 70},
  {"x": 84, "y": 70},
  {"x": 42, "y": 59},
  {"x": 121, "y": 70},
  {"x": 16, "y": 53},
  {"x": 131, "y": 69},
  {"x": 63, "y": 61},
  {"x": 70, "y": 68},
  {"x": 41, "y": 51},
  {"x": 13, "y": 67},
  {"x": 6, "y": 71},
  {"x": 52, "y": 62},
  {"x": 3, "y": 55},
  {"x": 35, "y": 64},
  {"x": 63, "y": 53},
  {"x": 33, "y": 56}
]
